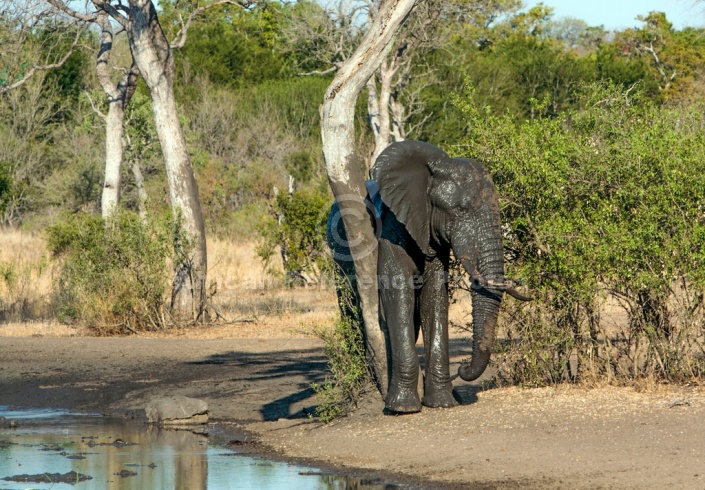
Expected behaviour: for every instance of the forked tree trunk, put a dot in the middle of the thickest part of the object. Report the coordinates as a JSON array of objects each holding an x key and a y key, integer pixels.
[
  {"x": 113, "y": 159},
  {"x": 380, "y": 101},
  {"x": 155, "y": 60},
  {"x": 118, "y": 98},
  {"x": 373, "y": 115},
  {"x": 343, "y": 169}
]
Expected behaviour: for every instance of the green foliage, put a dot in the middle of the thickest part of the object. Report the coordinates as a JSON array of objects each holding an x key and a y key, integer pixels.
[
  {"x": 87, "y": 187},
  {"x": 251, "y": 120},
  {"x": 518, "y": 65},
  {"x": 298, "y": 229},
  {"x": 114, "y": 277},
  {"x": 141, "y": 133},
  {"x": 5, "y": 185},
  {"x": 350, "y": 377},
  {"x": 234, "y": 199},
  {"x": 603, "y": 202},
  {"x": 300, "y": 166},
  {"x": 235, "y": 47},
  {"x": 293, "y": 104},
  {"x": 70, "y": 78}
]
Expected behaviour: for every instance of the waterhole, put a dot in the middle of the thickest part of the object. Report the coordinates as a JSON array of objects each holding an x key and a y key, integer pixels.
[{"x": 51, "y": 449}]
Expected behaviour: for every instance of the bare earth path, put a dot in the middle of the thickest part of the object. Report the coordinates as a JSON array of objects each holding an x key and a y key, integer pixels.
[{"x": 503, "y": 438}]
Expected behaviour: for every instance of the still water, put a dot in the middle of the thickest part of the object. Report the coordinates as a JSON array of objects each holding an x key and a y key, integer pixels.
[{"x": 117, "y": 454}]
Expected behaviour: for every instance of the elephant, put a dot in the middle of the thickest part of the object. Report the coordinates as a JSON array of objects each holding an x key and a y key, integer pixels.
[{"x": 427, "y": 205}]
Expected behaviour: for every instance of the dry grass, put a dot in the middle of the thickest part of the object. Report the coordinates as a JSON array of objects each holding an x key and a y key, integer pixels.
[
  {"x": 50, "y": 328},
  {"x": 25, "y": 277},
  {"x": 253, "y": 302},
  {"x": 236, "y": 266},
  {"x": 20, "y": 245}
]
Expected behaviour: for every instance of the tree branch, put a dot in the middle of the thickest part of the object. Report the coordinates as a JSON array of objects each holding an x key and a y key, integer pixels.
[
  {"x": 30, "y": 73},
  {"x": 180, "y": 38},
  {"x": 95, "y": 109},
  {"x": 59, "y": 5},
  {"x": 332, "y": 69}
]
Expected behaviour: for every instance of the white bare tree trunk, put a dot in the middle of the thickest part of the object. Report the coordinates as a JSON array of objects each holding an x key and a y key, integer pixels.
[
  {"x": 373, "y": 117},
  {"x": 155, "y": 60},
  {"x": 398, "y": 118},
  {"x": 382, "y": 104},
  {"x": 342, "y": 166},
  {"x": 118, "y": 97},
  {"x": 113, "y": 159}
]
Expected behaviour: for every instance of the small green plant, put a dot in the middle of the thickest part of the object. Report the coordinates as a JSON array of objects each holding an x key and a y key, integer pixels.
[
  {"x": 349, "y": 376},
  {"x": 298, "y": 230},
  {"x": 114, "y": 276},
  {"x": 5, "y": 185}
]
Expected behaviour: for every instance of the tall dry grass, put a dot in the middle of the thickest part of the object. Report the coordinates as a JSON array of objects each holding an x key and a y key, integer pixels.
[
  {"x": 25, "y": 277},
  {"x": 251, "y": 298},
  {"x": 236, "y": 266},
  {"x": 254, "y": 298}
]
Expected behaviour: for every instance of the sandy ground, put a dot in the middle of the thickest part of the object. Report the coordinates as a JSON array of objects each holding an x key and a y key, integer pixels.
[{"x": 565, "y": 437}]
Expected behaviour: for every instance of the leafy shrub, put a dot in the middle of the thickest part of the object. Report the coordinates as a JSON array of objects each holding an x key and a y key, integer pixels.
[
  {"x": 350, "y": 376},
  {"x": 114, "y": 277},
  {"x": 298, "y": 229},
  {"x": 603, "y": 204},
  {"x": 5, "y": 185}
]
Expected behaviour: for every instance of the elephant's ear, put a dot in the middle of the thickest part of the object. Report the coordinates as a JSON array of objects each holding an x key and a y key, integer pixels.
[{"x": 403, "y": 174}]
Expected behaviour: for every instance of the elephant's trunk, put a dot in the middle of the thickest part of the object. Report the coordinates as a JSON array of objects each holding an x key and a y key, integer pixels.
[
  {"x": 487, "y": 280},
  {"x": 485, "y": 309}
]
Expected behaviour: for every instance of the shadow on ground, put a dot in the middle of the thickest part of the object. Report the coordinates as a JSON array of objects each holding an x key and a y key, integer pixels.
[{"x": 298, "y": 369}]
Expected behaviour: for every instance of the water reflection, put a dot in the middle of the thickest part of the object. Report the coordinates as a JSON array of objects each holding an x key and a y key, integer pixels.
[{"x": 122, "y": 455}]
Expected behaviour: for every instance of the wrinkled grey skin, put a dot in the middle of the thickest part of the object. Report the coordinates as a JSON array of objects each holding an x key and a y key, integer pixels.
[{"x": 427, "y": 205}]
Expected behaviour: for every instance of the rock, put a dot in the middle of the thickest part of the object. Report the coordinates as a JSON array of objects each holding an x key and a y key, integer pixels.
[
  {"x": 8, "y": 424},
  {"x": 177, "y": 410}
]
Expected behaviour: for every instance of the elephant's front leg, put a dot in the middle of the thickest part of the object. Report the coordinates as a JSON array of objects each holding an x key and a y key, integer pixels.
[
  {"x": 397, "y": 297},
  {"x": 433, "y": 305}
]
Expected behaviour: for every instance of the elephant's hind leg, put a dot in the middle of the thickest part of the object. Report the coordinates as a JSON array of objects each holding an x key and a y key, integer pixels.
[
  {"x": 438, "y": 389},
  {"x": 397, "y": 298}
]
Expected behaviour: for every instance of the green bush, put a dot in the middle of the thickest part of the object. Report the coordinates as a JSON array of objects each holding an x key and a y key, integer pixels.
[
  {"x": 114, "y": 277},
  {"x": 298, "y": 229},
  {"x": 602, "y": 206},
  {"x": 5, "y": 185},
  {"x": 350, "y": 376}
]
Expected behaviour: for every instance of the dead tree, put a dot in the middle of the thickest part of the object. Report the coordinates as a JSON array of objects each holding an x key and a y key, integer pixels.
[{"x": 342, "y": 166}]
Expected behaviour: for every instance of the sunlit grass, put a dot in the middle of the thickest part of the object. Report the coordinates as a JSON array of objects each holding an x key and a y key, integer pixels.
[
  {"x": 253, "y": 301},
  {"x": 25, "y": 277}
]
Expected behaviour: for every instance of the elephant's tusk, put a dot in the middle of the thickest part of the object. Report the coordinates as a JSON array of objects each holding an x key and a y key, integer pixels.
[
  {"x": 478, "y": 282},
  {"x": 507, "y": 287},
  {"x": 517, "y": 295}
]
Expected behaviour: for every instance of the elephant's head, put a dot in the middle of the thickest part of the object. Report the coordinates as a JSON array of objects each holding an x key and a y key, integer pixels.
[{"x": 451, "y": 202}]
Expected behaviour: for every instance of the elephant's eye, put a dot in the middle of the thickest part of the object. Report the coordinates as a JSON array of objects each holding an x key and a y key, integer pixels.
[
  {"x": 444, "y": 194},
  {"x": 464, "y": 201}
]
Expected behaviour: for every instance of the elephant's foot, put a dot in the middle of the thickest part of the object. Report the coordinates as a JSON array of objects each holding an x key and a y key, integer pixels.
[
  {"x": 439, "y": 396},
  {"x": 402, "y": 400}
]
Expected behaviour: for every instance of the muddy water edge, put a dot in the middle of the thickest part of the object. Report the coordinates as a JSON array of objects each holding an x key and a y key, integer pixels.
[{"x": 60, "y": 450}]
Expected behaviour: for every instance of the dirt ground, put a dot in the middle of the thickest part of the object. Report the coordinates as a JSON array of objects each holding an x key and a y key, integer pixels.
[{"x": 257, "y": 378}]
